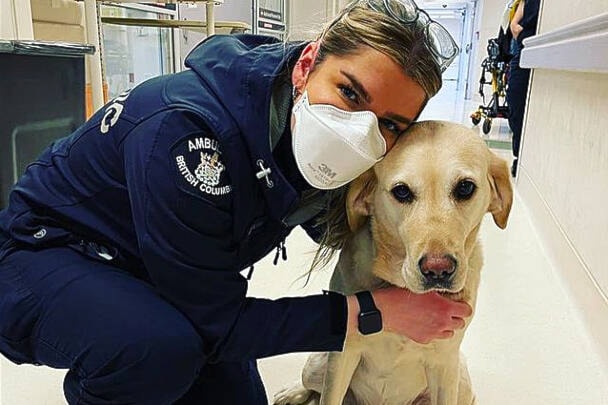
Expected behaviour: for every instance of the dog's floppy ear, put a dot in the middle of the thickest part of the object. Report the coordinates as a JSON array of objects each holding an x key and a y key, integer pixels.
[
  {"x": 502, "y": 190},
  {"x": 357, "y": 199}
]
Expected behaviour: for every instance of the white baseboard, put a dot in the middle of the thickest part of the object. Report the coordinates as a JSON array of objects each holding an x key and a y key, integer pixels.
[{"x": 586, "y": 294}]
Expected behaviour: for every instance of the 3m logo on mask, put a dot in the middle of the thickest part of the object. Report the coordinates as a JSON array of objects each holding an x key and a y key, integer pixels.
[
  {"x": 323, "y": 168},
  {"x": 113, "y": 112},
  {"x": 201, "y": 170}
]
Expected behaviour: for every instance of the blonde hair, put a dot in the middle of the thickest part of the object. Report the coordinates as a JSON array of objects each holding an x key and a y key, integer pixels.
[
  {"x": 358, "y": 25},
  {"x": 407, "y": 45}
]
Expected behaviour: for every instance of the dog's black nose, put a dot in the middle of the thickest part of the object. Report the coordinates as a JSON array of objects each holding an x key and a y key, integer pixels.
[{"x": 437, "y": 270}]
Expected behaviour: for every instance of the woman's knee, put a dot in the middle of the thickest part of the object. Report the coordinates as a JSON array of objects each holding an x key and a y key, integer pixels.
[
  {"x": 152, "y": 368},
  {"x": 120, "y": 340}
]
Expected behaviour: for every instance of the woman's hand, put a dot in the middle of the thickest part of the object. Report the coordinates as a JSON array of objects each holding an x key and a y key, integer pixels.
[
  {"x": 420, "y": 317},
  {"x": 516, "y": 29}
]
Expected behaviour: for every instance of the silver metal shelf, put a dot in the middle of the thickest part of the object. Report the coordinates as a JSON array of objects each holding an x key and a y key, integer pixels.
[{"x": 184, "y": 24}]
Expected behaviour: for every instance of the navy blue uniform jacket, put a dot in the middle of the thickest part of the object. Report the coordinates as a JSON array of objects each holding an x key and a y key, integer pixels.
[{"x": 162, "y": 182}]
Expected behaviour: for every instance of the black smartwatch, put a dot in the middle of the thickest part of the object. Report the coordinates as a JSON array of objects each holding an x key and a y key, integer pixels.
[{"x": 370, "y": 318}]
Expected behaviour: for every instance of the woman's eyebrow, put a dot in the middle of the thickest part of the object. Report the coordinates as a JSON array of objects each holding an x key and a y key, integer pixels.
[
  {"x": 357, "y": 86},
  {"x": 361, "y": 90}
]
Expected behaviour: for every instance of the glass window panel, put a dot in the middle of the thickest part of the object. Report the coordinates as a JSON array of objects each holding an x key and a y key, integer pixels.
[{"x": 134, "y": 54}]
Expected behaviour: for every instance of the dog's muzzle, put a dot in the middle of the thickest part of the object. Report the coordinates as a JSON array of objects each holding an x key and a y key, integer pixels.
[{"x": 438, "y": 271}]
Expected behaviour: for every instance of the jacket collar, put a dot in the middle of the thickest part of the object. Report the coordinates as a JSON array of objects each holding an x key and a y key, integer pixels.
[
  {"x": 242, "y": 70},
  {"x": 280, "y": 195}
]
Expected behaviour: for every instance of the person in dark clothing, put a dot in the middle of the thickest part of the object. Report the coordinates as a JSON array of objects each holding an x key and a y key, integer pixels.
[
  {"x": 522, "y": 26},
  {"x": 122, "y": 246}
]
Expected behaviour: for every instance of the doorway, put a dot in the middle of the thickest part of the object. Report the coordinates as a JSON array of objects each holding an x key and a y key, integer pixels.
[{"x": 459, "y": 19}]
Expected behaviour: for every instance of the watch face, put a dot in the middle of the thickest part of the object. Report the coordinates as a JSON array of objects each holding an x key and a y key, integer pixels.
[{"x": 370, "y": 322}]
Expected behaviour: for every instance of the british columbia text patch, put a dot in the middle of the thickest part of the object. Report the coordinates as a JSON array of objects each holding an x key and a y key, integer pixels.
[{"x": 200, "y": 168}]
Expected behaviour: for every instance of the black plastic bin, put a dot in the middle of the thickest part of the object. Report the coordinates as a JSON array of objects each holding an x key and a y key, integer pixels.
[{"x": 42, "y": 98}]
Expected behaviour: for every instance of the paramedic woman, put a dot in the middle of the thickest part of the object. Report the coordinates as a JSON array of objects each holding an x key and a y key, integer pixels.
[{"x": 122, "y": 245}]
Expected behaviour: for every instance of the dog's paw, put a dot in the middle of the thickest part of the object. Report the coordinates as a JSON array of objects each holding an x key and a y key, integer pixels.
[{"x": 295, "y": 395}]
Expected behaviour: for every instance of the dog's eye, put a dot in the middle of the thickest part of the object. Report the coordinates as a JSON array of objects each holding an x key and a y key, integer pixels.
[
  {"x": 464, "y": 190},
  {"x": 402, "y": 193}
]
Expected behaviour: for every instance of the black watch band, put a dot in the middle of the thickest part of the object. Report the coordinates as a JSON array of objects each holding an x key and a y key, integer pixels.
[{"x": 370, "y": 318}]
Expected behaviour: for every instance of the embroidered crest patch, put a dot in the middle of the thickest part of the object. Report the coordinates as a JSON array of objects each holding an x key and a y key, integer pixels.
[{"x": 201, "y": 171}]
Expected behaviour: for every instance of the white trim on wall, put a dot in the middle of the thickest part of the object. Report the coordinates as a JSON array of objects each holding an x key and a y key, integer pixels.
[{"x": 580, "y": 46}]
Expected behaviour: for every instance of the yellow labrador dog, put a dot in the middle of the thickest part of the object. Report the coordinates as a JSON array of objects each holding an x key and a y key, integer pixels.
[{"x": 414, "y": 220}]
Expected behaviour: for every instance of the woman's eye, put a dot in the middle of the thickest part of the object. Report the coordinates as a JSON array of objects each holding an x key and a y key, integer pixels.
[
  {"x": 349, "y": 93},
  {"x": 464, "y": 190},
  {"x": 390, "y": 125},
  {"x": 403, "y": 193}
]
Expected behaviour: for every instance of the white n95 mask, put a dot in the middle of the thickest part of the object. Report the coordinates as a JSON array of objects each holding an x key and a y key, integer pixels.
[{"x": 332, "y": 146}]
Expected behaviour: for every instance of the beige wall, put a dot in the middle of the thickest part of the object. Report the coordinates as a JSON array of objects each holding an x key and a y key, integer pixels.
[
  {"x": 15, "y": 20},
  {"x": 58, "y": 20},
  {"x": 7, "y": 24},
  {"x": 557, "y": 13},
  {"x": 565, "y": 153},
  {"x": 564, "y": 169}
]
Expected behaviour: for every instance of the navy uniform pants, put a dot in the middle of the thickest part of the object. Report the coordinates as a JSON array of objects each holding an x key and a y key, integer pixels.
[
  {"x": 517, "y": 92},
  {"x": 120, "y": 341}
]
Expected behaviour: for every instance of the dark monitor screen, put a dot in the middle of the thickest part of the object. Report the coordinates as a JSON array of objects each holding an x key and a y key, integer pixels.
[{"x": 42, "y": 98}]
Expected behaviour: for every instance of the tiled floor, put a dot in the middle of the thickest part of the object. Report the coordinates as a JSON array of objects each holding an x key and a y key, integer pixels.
[{"x": 526, "y": 345}]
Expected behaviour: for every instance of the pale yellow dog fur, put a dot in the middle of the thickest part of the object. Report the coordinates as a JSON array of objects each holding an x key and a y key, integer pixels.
[{"x": 389, "y": 238}]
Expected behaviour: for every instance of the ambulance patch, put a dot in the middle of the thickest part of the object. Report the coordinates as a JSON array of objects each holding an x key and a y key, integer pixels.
[{"x": 200, "y": 168}]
